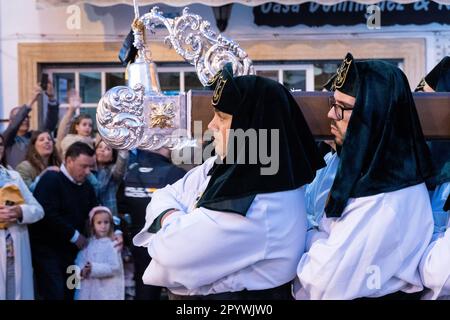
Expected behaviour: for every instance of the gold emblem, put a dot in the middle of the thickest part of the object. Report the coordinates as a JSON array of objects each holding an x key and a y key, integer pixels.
[
  {"x": 218, "y": 91},
  {"x": 162, "y": 115},
  {"x": 421, "y": 85},
  {"x": 342, "y": 74},
  {"x": 138, "y": 25},
  {"x": 211, "y": 82}
]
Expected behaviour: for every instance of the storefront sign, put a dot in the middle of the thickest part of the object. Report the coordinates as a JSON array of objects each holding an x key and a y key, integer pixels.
[{"x": 350, "y": 13}]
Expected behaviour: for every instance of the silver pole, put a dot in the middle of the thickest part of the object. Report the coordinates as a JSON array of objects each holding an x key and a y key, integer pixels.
[{"x": 136, "y": 9}]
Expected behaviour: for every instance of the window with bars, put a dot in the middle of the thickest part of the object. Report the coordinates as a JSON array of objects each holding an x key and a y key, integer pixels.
[{"x": 92, "y": 82}]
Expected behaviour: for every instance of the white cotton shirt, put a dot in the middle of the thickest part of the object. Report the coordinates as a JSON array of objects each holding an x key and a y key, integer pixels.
[
  {"x": 435, "y": 264},
  {"x": 200, "y": 251},
  {"x": 372, "y": 250}
]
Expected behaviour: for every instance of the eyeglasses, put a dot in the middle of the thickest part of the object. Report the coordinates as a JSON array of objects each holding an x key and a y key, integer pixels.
[{"x": 338, "y": 108}]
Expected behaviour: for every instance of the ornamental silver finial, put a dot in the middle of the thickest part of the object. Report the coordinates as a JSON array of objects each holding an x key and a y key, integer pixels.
[{"x": 139, "y": 115}]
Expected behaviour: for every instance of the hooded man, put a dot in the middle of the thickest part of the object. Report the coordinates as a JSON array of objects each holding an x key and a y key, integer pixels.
[
  {"x": 234, "y": 227},
  {"x": 378, "y": 219},
  {"x": 436, "y": 260}
]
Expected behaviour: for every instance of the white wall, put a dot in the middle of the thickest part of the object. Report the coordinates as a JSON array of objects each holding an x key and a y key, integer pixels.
[{"x": 21, "y": 21}]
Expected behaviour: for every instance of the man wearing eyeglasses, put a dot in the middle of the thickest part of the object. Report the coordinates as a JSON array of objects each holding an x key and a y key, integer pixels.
[
  {"x": 316, "y": 193},
  {"x": 377, "y": 218}
]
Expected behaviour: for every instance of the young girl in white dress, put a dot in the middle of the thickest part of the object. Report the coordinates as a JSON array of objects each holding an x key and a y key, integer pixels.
[{"x": 100, "y": 262}]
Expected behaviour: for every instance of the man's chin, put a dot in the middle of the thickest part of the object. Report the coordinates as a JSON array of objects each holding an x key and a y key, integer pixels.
[
  {"x": 338, "y": 142},
  {"x": 221, "y": 155},
  {"x": 219, "y": 152}
]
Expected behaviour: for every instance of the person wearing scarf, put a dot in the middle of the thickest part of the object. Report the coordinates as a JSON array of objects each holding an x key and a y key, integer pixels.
[
  {"x": 434, "y": 267},
  {"x": 235, "y": 226},
  {"x": 377, "y": 218}
]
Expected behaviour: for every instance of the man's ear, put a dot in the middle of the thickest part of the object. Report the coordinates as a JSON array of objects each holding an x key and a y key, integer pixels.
[{"x": 68, "y": 161}]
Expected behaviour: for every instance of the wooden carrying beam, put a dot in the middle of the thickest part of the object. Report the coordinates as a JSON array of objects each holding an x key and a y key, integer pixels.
[{"x": 433, "y": 110}]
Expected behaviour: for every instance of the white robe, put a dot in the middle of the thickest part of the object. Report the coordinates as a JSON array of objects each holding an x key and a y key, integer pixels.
[
  {"x": 372, "y": 250},
  {"x": 199, "y": 251},
  {"x": 32, "y": 211},
  {"x": 435, "y": 264}
]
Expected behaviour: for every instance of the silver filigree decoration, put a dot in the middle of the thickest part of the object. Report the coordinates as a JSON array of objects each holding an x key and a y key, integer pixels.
[
  {"x": 128, "y": 119},
  {"x": 167, "y": 122},
  {"x": 193, "y": 39},
  {"x": 120, "y": 116},
  {"x": 145, "y": 118}
]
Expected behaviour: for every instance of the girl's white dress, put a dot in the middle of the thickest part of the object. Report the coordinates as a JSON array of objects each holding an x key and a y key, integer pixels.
[{"x": 106, "y": 281}]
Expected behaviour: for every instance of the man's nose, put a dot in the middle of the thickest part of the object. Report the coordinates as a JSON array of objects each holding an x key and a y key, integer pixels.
[
  {"x": 332, "y": 114},
  {"x": 211, "y": 125}
]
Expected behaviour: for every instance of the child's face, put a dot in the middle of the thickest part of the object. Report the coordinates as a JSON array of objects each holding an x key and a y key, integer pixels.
[
  {"x": 102, "y": 224},
  {"x": 104, "y": 153},
  {"x": 84, "y": 128}
]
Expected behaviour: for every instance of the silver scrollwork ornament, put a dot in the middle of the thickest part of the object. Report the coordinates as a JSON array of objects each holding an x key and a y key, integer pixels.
[
  {"x": 139, "y": 115},
  {"x": 120, "y": 116},
  {"x": 193, "y": 39}
]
